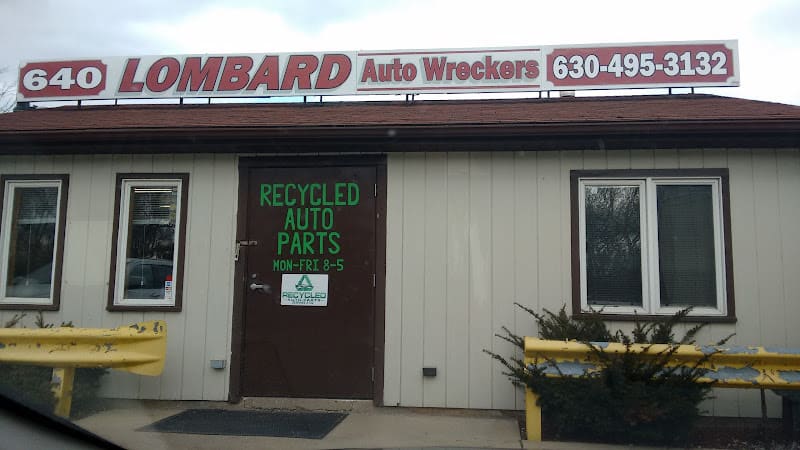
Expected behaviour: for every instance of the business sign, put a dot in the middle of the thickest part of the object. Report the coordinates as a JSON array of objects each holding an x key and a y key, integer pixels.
[
  {"x": 521, "y": 69},
  {"x": 304, "y": 289}
]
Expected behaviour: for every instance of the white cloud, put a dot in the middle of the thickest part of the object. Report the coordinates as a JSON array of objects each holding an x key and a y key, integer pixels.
[{"x": 766, "y": 30}]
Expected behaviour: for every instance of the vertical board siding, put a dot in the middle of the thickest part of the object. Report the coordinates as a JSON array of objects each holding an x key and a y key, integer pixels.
[
  {"x": 195, "y": 288},
  {"x": 219, "y": 277},
  {"x": 413, "y": 267},
  {"x": 202, "y": 330},
  {"x": 502, "y": 271},
  {"x": 769, "y": 250},
  {"x": 393, "y": 335},
  {"x": 745, "y": 254},
  {"x": 495, "y": 228},
  {"x": 435, "y": 289},
  {"x": 725, "y": 402},
  {"x": 98, "y": 247},
  {"x": 72, "y": 275},
  {"x": 480, "y": 279},
  {"x": 789, "y": 201},
  {"x": 457, "y": 254},
  {"x": 643, "y": 159},
  {"x": 551, "y": 235},
  {"x": 526, "y": 247}
]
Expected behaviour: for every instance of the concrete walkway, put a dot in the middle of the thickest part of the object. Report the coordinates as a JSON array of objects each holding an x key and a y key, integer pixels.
[
  {"x": 366, "y": 427},
  {"x": 363, "y": 428}
]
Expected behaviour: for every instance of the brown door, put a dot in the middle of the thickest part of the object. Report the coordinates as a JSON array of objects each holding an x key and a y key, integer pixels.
[{"x": 309, "y": 265}]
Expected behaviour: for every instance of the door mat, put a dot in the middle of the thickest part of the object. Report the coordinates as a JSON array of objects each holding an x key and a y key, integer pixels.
[{"x": 292, "y": 424}]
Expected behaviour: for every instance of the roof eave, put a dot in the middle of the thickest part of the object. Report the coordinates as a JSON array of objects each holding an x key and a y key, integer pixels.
[{"x": 769, "y": 132}]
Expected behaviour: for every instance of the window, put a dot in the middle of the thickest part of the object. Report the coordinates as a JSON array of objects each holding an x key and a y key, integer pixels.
[
  {"x": 32, "y": 236},
  {"x": 652, "y": 242},
  {"x": 149, "y": 237}
]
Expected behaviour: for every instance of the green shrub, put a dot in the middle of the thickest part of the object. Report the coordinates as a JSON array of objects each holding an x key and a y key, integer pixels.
[
  {"x": 33, "y": 383},
  {"x": 630, "y": 400},
  {"x": 30, "y": 383}
]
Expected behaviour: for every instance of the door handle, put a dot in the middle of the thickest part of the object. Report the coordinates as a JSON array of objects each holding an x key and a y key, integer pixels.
[{"x": 264, "y": 288}]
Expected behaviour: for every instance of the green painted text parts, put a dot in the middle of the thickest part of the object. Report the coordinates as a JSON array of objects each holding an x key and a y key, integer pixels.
[{"x": 308, "y": 243}]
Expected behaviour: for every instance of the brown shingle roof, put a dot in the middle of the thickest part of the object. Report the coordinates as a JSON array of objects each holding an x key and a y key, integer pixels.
[
  {"x": 331, "y": 114},
  {"x": 582, "y": 116}
]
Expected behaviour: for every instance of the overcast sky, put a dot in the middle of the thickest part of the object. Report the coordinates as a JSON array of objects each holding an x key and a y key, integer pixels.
[{"x": 767, "y": 30}]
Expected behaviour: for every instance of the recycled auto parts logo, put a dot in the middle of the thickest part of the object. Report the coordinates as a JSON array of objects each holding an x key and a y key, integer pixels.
[
  {"x": 304, "y": 284},
  {"x": 304, "y": 289}
]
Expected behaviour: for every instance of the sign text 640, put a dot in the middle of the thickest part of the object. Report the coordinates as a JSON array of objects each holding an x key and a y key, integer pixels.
[{"x": 62, "y": 79}]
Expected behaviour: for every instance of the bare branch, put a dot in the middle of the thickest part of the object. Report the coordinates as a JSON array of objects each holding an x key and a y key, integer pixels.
[{"x": 8, "y": 90}]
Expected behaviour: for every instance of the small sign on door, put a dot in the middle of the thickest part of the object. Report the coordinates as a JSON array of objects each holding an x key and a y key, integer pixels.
[{"x": 301, "y": 289}]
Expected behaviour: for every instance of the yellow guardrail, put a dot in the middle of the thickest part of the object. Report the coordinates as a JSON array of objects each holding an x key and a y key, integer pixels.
[
  {"x": 733, "y": 367},
  {"x": 139, "y": 348}
]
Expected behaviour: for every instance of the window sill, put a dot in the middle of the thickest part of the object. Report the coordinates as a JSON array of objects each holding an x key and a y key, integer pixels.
[
  {"x": 143, "y": 308},
  {"x": 29, "y": 306},
  {"x": 653, "y": 317}
]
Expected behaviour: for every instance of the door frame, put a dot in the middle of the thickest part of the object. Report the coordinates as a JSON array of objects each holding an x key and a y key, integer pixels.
[{"x": 239, "y": 286}]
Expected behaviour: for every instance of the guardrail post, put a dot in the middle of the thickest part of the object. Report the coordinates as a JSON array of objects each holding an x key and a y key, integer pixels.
[
  {"x": 533, "y": 416},
  {"x": 63, "y": 379},
  {"x": 139, "y": 348}
]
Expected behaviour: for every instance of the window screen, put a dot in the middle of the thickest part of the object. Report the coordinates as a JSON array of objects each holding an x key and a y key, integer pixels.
[{"x": 613, "y": 245}]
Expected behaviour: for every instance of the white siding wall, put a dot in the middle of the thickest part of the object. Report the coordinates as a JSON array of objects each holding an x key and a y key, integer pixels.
[
  {"x": 467, "y": 235},
  {"x": 470, "y": 233},
  {"x": 199, "y": 333}
]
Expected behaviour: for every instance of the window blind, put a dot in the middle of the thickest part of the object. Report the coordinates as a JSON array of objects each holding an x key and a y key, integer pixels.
[
  {"x": 153, "y": 206},
  {"x": 686, "y": 257},
  {"x": 36, "y": 204}
]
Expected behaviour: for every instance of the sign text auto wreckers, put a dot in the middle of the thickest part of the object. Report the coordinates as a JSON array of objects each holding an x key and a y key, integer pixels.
[{"x": 600, "y": 66}]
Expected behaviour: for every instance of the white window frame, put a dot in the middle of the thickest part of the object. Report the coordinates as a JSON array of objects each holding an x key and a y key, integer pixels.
[
  {"x": 126, "y": 186},
  {"x": 10, "y": 185},
  {"x": 651, "y": 301}
]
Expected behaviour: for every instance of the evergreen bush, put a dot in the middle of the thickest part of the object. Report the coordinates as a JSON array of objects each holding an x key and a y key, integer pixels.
[{"x": 630, "y": 400}]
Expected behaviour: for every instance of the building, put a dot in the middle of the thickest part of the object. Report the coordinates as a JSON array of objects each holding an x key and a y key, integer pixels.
[{"x": 420, "y": 223}]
